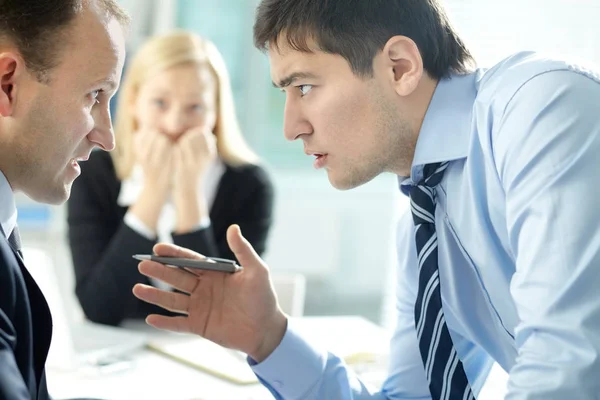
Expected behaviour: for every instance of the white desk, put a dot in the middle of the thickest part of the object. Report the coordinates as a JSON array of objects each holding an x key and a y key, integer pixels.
[{"x": 153, "y": 376}]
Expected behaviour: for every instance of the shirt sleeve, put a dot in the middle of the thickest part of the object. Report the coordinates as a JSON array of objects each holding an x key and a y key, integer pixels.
[
  {"x": 546, "y": 150},
  {"x": 316, "y": 374},
  {"x": 203, "y": 224},
  {"x": 298, "y": 369},
  {"x": 138, "y": 226},
  {"x": 142, "y": 229}
]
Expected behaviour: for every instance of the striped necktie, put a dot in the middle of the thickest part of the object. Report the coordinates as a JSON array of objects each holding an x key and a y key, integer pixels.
[
  {"x": 445, "y": 373},
  {"x": 14, "y": 240}
]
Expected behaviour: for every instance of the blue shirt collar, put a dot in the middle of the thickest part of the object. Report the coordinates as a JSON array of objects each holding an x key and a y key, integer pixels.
[{"x": 446, "y": 129}]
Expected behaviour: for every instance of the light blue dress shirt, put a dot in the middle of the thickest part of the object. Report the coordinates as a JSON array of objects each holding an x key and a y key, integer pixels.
[{"x": 518, "y": 224}]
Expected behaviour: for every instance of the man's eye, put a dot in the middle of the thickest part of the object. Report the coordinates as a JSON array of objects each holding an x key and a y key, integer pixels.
[
  {"x": 304, "y": 89},
  {"x": 94, "y": 95}
]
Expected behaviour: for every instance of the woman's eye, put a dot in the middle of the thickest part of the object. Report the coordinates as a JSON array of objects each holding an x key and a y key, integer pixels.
[{"x": 160, "y": 103}]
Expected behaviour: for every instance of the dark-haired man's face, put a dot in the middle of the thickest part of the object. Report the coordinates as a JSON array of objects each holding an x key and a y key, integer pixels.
[
  {"x": 351, "y": 125},
  {"x": 54, "y": 125}
]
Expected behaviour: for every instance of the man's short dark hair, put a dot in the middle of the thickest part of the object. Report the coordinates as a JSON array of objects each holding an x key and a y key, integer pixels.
[
  {"x": 38, "y": 27},
  {"x": 358, "y": 29}
]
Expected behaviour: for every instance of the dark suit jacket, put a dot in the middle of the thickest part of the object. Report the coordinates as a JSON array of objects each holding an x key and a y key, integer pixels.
[
  {"x": 102, "y": 244},
  {"x": 25, "y": 330}
]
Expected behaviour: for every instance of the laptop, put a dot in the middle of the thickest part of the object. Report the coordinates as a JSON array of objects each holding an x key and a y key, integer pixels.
[{"x": 76, "y": 342}]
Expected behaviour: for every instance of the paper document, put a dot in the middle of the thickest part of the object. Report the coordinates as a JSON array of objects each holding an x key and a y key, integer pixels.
[
  {"x": 208, "y": 357},
  {"x": 354, "y": 339}
]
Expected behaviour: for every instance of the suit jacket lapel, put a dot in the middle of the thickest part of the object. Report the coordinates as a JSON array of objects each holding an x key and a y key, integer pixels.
[{"x": 41, "y": 321}]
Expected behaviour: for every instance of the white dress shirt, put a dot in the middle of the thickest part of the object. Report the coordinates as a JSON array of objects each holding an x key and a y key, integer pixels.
[{"x": 8, "y": 209}]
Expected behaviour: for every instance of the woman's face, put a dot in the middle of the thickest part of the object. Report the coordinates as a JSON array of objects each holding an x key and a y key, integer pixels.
[{"x": 176, "y": 100}]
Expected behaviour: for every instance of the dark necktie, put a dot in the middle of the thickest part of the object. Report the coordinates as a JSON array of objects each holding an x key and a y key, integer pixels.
[
  {"x": 445, "y": 373},
  {"x": 14, "y": 240}
]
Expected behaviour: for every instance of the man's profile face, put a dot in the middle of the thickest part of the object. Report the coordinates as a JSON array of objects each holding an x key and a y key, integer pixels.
[
  {"x": 60, "y": 122},
  {"x": 349, "y": 124}
]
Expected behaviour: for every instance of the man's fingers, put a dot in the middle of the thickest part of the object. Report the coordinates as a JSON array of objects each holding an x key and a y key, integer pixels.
[
  {"x": 179, "y": 279},
  {"x": 175, "y": 302},
  {"x": 242, "y": 249},
  {"x": 171, "y": 250},
  {"x": 173, "y": 324}
]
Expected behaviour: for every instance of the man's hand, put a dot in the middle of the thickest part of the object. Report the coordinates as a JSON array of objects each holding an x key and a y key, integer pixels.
[{"x": 238, "y": 311}]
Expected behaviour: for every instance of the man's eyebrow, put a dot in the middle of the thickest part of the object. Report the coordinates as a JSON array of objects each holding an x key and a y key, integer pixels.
[
  {"x": 109, "y": 83},
  {"x": 288, "y": 80}
]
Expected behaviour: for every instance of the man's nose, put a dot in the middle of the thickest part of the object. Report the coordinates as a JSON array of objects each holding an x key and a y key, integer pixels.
[
  {"x": 295, "y": 123},
  {"x": 102, "y": 135}
]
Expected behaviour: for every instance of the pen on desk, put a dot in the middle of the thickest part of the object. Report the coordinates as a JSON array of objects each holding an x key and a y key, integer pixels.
[{"x": 210, "y": 263}]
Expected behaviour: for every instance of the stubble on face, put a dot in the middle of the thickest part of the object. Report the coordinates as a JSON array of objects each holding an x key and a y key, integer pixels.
[
  {"x": 389, "y": 145},
  {"x": 41, "y": 156},
  {"x": 54, "y": 127}
]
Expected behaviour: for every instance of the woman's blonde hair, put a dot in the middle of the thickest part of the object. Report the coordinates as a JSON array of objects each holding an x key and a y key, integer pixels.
[{"x": 158, "y": 54}]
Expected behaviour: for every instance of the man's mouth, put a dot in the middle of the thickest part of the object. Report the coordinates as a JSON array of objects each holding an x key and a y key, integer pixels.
[
  {"x": 320, "y": 160},
  {"x": 75, "y": 161}
]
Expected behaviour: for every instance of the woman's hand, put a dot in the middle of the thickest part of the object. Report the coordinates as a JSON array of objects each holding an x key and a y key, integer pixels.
[
  {"x": 193, "y": 153},
  {"x": 155, "y": 153}
]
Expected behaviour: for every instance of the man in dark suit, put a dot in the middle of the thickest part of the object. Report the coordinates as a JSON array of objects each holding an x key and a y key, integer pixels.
[{"x": 60, "y": 63}]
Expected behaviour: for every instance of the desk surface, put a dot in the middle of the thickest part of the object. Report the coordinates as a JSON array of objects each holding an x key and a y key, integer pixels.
[{"x": 153, "y": 376}]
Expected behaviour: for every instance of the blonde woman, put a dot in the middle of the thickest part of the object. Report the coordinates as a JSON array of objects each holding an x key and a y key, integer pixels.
[{"x": 181, "y": 172}]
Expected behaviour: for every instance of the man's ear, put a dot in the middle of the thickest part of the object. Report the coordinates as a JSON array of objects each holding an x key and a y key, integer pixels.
[
  {"x": 11, "y": 67},
  {"x": 403, "y": 59}
]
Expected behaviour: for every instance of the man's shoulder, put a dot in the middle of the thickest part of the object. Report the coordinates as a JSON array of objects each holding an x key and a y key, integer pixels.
[{"x": 498, "y": 84}]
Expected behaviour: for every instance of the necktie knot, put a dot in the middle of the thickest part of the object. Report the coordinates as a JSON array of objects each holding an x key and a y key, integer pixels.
[
  {"x": 422, "y": 195},
  {"x": 433, "y": 174}
]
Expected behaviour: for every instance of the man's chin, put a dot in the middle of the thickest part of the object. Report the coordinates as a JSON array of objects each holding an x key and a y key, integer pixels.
[
  {"x": 347, "y": 181},
  {"x": 342, "y": 183},
  {"x": 55, "y": 195}
]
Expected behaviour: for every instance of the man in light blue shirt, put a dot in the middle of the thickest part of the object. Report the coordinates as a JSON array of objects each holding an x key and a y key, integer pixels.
[{"x": 513, "y": 244}]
